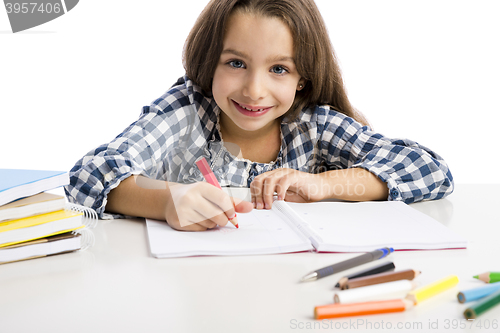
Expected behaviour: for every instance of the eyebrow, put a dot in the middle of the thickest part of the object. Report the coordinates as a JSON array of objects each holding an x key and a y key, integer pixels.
[{"x": 270, "y": 59}]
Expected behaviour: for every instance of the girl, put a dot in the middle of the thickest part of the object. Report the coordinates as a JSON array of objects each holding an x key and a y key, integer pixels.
[{"x": 263, "y": 101}]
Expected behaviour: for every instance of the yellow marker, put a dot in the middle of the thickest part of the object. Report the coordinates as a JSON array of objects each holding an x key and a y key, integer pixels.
[{"x": 425, "y": 292}]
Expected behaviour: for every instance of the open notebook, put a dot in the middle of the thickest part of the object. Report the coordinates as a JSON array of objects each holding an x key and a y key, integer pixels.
[{"x": 321, "y": 227}]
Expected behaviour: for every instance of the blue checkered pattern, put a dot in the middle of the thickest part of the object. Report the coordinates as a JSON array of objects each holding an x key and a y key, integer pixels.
[{"x": 182, "y": 125}]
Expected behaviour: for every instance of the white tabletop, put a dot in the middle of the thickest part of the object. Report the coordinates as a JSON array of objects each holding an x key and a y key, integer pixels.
[{"x": 116, "y": 286}]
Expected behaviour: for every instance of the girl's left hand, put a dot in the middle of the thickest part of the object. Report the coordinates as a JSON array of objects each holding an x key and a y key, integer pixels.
[{"x": 289, "y": 184}]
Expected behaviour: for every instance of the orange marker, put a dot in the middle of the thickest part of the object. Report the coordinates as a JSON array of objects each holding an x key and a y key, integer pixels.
[
  {"x": 359, "y": 309},
  {"x": 209, "y": 176}
]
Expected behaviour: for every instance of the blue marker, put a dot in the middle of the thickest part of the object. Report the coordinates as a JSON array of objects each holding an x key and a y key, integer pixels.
[
  {"x": 477, "y": 293},
  {"x": 350, "y": 263}
]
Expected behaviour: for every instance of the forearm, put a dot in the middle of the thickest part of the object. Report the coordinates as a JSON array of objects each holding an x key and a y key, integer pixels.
[
  {"x": 133, "y": 199},
  {"x": 353, "y": 184}
]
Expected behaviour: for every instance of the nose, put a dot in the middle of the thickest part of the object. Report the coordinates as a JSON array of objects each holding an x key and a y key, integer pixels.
[{"x": 255, "y": 86}]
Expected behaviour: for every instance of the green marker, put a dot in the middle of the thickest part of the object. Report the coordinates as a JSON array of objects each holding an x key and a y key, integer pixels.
[
  {"x": 488, "y": 277},
  {"x": 482, "y": 306}
]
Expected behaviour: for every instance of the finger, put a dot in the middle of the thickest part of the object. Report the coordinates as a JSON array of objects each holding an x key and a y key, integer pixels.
[
  {"x": 282, "y": 187},
  {"x": 207, "y": 224},
  {"x": 201, "y": 226},
  {"x": 256, "y": 191},
  {"x": 242, "y": 206},
  {"x": 268, "y": 191},
  {"x": 197, "y": 209},
  {"x": 221, "y": 219},
  {"x": 220, "y": 199},
  {"x": 203, "y": 222},
  {"x": 206, "y": 211},
  {"x": 192, "y": 211},
  {"x": 188, "y": 227},
  {"x": 200, "y": 220}
]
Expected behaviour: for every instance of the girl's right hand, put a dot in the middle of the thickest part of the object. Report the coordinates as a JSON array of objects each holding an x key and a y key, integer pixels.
[{"x": 201, "y": 206}]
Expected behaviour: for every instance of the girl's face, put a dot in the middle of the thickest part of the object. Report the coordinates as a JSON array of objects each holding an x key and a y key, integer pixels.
[{"x": 256, "y": 79}]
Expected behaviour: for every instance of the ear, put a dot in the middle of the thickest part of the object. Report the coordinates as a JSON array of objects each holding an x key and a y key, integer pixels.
[{"x": 301, "y": 84}]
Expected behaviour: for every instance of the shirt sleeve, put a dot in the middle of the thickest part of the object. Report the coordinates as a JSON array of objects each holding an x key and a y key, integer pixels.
[
  {"x": 139, "y": 149},
  {"x": 135, "y": 151},
  {"x": 411, "y": 171}
]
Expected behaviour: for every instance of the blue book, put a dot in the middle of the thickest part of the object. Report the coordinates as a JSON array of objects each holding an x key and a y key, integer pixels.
[{"x": 17, "y": 183}]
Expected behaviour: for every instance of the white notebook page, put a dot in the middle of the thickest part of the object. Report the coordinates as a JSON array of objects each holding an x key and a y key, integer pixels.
[
  {"x": 260, "y": 232},
  {"x": 364, "y": 226}
]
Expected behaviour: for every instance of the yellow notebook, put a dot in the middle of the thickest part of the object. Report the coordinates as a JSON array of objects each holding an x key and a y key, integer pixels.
[
  {"x": 34, "y": 227},
  {"x": 78, "y": 240}
]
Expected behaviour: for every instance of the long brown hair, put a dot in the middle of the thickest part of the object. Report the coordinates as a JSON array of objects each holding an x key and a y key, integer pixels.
[{"x": 315, "y": 58}]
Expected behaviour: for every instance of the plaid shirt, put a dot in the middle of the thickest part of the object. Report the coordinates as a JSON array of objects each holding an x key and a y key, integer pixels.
[{"x": 182, "y": 125}]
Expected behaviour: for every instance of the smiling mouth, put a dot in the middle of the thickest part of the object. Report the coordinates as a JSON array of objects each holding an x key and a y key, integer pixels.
[{"x": 253, "y": 109}]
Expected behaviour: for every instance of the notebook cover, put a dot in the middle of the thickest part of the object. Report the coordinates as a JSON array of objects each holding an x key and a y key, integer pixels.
[
  {"x": 37, "y": 219},
  {"x": 19, "y": 183}
]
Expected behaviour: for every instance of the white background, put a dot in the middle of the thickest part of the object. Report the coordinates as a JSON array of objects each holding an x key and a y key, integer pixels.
[{"x": 424, "y": 70}]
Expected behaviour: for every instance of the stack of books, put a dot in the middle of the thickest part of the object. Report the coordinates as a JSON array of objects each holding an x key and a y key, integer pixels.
[{"x": 35, "y": 223}]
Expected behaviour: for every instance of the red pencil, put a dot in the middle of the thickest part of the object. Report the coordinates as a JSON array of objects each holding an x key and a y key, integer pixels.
[{"x": 209, "y": 176}]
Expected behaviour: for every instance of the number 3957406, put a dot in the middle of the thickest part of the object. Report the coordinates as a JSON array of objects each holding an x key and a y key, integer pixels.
[{"x": 32, "y": 8}]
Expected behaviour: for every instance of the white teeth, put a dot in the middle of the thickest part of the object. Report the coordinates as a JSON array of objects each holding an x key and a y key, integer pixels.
[{"x": 251, "y": 109}]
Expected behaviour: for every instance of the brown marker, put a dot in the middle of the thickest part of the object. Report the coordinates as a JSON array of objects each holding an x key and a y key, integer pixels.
[{"x": 408, "y": 274}]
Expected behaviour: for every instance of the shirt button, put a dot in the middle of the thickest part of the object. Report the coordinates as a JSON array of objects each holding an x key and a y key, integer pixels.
[
  {"x": 98, "y": 202},
  {"x": 394, "y": 193},
  {"x": 108, "y": 177}
]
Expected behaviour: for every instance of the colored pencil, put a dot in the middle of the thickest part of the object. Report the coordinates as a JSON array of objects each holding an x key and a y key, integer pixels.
[
  {"x": 432, "y": 289},
  {"x": 359, "y": 309},
  {"x": 408, "y": 274},
  {"x": 349, "y": 263},
  {"x": 482, "y": 306},
  {"x": 384, "y": 267},
  {"x": 376, "y": 292},
  {"x": 477, "y": 293},
  {"x": 488, "y": 277},
  {"x": 209, "y": 176}
]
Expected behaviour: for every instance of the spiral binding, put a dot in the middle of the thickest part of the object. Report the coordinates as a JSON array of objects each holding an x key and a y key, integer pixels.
[
  {"x": 90, "y": 217},
  {"x": 87, "y": 238}
]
